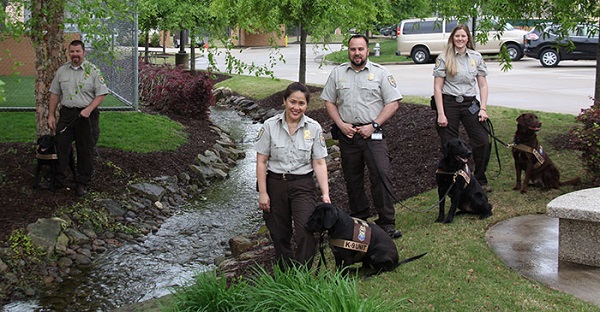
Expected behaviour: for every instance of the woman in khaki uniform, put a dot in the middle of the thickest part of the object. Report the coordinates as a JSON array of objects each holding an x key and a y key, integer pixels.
[
  {"x": 290, "y": 148},
  {"x": 457, "y": 75}
]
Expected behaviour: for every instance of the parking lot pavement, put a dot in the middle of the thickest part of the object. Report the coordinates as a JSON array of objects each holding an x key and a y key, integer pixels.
[{"x": 528, "y": 86}]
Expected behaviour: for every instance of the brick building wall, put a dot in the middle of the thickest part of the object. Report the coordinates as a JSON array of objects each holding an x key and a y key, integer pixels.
[
  {"x": 18, "y": 56},
  {"x": 244, "y": 38}
]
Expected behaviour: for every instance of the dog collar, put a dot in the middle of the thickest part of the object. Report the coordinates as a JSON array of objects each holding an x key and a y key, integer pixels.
[
  {"x": 360, "y": 239},
  {"x": 46, "y": 156}
]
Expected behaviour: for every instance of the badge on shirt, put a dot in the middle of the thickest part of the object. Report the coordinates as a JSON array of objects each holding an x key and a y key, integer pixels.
[
  {"x": 322, "y": 140},
  {"x": 307, "y": 134},
  {"x": 472, "y": 63},
  {"x": 101, "y": 79},
  {"x": 392, "y": 81},
  {"x": 371, "y": 77},
  {"x": 260, "y": 133},
  {"x": 437, "y": 63}
]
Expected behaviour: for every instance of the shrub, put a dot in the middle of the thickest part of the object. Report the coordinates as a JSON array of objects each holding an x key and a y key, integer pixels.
[
  {"x": 586, "y": 138},
  {"x": 172, "y": 90}
]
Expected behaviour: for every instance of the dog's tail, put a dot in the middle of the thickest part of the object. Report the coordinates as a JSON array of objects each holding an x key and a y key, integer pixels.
[
  {"x": 407, "y": 260},
  {"x": 574, "y": 181}
]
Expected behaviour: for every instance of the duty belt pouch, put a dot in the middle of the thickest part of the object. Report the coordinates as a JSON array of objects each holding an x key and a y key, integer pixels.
[
  {"x": 335, "y": 132},
  {"x": 432, "y": 103},
  {"x": 474, "y": 108}
]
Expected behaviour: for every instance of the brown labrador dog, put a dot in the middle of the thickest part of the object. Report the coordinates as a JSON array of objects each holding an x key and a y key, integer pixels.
[{"x": 531, "y": 158}]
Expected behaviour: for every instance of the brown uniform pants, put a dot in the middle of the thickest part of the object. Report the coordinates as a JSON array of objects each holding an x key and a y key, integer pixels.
[
  {"x": 356, "y": 153},
  {"x": 293, "y": 200}
]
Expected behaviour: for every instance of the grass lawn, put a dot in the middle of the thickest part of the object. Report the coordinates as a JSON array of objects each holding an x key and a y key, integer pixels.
[
  {"x": 19, "y": 92},
  {"x": 460, "y": 271}
]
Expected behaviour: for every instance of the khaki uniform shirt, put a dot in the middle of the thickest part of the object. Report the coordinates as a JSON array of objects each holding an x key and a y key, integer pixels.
[
  {"x": 464, "y": 83},
  {"x": 78, "y": 87},
  {"x": 291, "y": 154},
  {"x": 360, "y": 96}
]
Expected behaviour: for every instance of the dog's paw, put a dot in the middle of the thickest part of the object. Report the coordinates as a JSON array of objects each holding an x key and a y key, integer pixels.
[
  {"x": 439, "y": 220},
  {"x": 485, "y": 215}
]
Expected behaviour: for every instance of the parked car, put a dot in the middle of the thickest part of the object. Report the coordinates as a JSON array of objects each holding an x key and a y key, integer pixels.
[
  {"x": 424, "y": 38},
  {"x": 543, "y": 42},
  {"x": 388, "y": 30}
]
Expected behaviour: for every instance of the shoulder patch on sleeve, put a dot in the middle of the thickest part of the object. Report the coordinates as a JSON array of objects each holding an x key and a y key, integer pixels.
[
  {"x": 391, "y": 81},
  {"x": 260, "y": 133}
]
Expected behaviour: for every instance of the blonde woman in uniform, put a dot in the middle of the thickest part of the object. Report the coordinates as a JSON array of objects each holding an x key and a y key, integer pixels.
[{"x": 458, "y": 73}]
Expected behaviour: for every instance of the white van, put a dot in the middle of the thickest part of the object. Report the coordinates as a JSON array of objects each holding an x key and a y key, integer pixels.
[{"x": 423, "y": 39}]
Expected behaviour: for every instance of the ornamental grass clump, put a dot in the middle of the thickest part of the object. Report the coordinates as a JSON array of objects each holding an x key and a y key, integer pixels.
[{"x": 295, "y": 289}]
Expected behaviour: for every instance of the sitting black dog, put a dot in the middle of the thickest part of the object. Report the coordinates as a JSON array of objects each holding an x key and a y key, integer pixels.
[
  {"x": 376, "y": 252},
  {"x": 455, "y": 179},
  {"x": 46, "y": 156}
]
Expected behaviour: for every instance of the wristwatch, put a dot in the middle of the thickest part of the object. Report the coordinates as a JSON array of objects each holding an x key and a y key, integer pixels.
[{"x": 376, "y": 125}]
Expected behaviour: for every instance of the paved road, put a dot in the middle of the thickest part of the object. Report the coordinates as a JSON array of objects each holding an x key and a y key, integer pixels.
[{"x": 529, "y": 86}]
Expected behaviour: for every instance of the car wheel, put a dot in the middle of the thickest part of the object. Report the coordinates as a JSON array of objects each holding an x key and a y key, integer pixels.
[
  {"x": 420, "y": 55},
  {"x": 549, "y": 58},
  {"x": 514, "y": 51}
]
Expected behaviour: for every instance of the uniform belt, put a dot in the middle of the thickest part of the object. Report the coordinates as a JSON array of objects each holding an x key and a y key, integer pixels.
[
  {"x": 288, "y": 176},
  {"x": 72, "y": 108},
  {"x": 459, "y": 98}
]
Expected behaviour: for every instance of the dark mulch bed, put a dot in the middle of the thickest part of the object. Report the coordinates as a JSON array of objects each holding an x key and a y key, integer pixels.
[{"x": 413, "y": 145}]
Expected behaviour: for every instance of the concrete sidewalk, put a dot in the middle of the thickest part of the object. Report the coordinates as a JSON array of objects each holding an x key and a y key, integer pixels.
[{"x": 529, "y": 245}]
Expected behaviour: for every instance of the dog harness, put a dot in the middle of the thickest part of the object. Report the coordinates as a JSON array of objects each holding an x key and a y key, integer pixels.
[
  {"x": 464, "y": 173},
  {"x": 538, "y": 153},
  {"x": 360, "y": 239}
]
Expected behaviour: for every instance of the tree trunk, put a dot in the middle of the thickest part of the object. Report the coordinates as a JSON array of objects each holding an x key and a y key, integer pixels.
[
  {"x": 48, "y": 42},
  {"x": 597, "y": 90},
  {"x": 302, "y": 70}
]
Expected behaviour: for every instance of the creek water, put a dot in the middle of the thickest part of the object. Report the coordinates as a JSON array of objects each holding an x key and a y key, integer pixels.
[{"x": 185, "y": 245}]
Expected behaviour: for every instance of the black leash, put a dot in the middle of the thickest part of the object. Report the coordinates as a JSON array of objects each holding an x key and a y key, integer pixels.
[
  {"x": 388, "y": 187},
  {"x": 69, "y": 124},
  {"x": 490, "y": 130}
]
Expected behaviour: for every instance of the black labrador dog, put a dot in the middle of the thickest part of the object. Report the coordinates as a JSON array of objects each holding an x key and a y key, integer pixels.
[
  {"x": 455, "y": 179},
  {"x": 381, "y": 254},
  {"x": 46, "y": 156}
]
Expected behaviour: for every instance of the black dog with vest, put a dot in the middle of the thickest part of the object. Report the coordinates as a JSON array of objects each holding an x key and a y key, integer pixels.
[
  {"x": 46, "y": 156},
  {"x": 455, "y": 179},
  {"x": 354, "y": 240}
]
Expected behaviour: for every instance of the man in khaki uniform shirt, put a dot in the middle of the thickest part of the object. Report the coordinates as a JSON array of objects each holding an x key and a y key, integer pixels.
[
  {"x": 80, "y": 89},
  {"x": 360, "y": 96}
]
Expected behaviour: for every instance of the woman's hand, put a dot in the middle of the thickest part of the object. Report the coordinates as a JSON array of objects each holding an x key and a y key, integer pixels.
[
  {"x": 264, "y": 202},
  {"x": 326, "y": 199},
  {"x": 483, "y": 116},
  {"x": 442, "y": 121}
]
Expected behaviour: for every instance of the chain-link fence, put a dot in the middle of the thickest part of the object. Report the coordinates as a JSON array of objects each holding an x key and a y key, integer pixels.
[
  {"x": 116, "y": 54},
  {"x": 118, "y": 60}
]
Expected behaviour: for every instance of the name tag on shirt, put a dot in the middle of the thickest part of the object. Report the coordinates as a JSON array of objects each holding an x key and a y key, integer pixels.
[{"x": 377, "y": 136}]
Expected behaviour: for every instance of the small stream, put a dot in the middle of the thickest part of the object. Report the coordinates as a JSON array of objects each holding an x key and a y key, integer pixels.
[{"x": 185, "y": 245}]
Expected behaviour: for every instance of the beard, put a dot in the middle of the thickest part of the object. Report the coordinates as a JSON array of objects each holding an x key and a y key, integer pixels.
[{"x": 359, "y": 63}]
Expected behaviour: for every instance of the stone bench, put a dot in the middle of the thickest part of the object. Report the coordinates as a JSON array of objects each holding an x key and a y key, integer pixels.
[{"x": 578, "y": 226}]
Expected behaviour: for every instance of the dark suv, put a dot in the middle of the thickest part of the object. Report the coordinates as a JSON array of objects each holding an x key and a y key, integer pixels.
[{"x": 543, "y": 42}]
